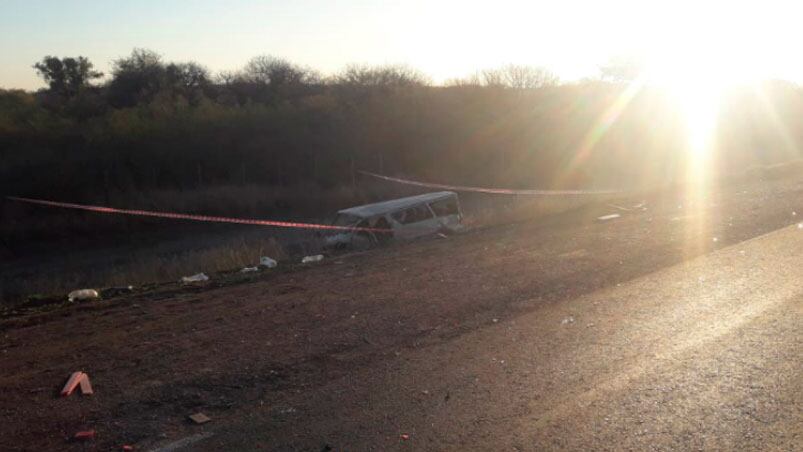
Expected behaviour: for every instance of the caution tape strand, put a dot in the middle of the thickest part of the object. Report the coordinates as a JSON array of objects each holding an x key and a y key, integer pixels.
[
  {"x": 495, "y": 191},
  {"x": 184, "y": 216}
]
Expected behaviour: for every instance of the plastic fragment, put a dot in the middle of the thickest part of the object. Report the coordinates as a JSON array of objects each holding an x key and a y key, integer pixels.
[
  {"x": 83, "y": 294},
  {"x": 265, "y": 261},
  {"x": 309, "y": 259},
  {"x": 198, "y": 277},
  {"x": 199, "y": 418}
]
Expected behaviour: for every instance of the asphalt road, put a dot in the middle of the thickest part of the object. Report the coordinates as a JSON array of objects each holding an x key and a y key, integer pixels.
[{"x": 705, "y": 355}]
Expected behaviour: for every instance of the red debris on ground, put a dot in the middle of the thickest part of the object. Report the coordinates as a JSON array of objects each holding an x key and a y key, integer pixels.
[
  {"x": 77, "y": 378},
  {"x": 84, "y": 435},
  {"x": 86, "y": 386},
  {"x": 72, "y": 383}
]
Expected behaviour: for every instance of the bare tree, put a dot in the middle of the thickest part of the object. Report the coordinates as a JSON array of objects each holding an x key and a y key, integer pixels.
[
  {"x": 518, "y": 77},
  {"x": 510, "y": 76},
  {"x": 381, "y": 76},
  {"x": 136, "y": 77},
  {"x": 269, "y": 70}
]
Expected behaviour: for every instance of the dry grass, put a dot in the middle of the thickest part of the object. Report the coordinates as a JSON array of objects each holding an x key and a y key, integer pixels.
[{"x": 141, "y": 268}]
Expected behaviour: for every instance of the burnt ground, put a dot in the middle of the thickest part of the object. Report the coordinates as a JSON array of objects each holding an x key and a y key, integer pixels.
[{"x": 671, "y": 328}]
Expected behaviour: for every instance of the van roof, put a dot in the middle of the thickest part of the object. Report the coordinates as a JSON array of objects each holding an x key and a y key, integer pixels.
[{"x": 381, "y": 208}]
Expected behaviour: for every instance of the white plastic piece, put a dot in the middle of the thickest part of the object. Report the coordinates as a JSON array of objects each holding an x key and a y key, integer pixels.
[
  {"x": 83, "y": 294},
  {"x": 199, "y": 277},
  {"x": 608, "y": 217},
  {"x": 248, "y": 269},
  {"x": 265, "y": 261},
  {"x": 315, "y": 258}
]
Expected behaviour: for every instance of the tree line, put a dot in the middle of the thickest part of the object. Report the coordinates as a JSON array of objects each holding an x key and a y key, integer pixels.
[{"x": 155, "y": 124}]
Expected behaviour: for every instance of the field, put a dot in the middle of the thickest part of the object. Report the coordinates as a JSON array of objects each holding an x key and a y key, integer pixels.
[{"x": 676, "y": 327}]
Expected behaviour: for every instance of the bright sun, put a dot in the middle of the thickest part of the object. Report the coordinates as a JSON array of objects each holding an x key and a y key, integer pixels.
[{"x": 695, "y": 75}]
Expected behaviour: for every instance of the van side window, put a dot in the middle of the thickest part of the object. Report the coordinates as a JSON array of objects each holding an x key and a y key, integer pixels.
[
  {"x": 363, "y": 224},
  {"x": 445, "y": 207},
  {"x": 413, "y": 215}
]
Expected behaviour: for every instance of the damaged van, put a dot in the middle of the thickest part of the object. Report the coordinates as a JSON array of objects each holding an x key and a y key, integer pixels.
[{"x": 404, "y": 218}]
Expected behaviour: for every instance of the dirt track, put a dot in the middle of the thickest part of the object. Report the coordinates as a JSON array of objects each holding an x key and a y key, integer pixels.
[{"x": 561, "y": 333}]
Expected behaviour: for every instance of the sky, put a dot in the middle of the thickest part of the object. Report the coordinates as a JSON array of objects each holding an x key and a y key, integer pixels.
[{"x": 444, "y": 39}]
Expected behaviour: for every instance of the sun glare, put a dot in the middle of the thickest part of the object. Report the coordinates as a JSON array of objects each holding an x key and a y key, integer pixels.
[{"x": 695, "y": 74}]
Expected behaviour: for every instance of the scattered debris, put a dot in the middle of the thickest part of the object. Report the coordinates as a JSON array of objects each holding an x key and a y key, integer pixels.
[
  {"x": 567, "y": 320},
  {"x": 265, "y": 261},
  {"x": 110, "y": 292},
  {"x": 309, "y": 259},
  {"x": 199, "y": 418},
  {"x": 608, "y": 217},
  {"x": 127, "y": 447},
  {"x": 84, "y": 435},
  {"x": 85, "y": 385},
  {"x": 199, "y": 277},
  {"x": 715, "y": 239},
  {"x": 625, "y": 209},
  {"x": 82, "y": 295},
  {"x": 249, "y": 270},
  {"x": 442, "y": 235},
  {"x": 76, "y": 379},
  {"x": 404, "y": 437}
]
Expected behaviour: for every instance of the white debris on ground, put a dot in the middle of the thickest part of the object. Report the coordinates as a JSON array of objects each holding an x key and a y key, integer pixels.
[
  {"x": 265, "y": 261},
  {"x": 199, "y": 277},
  {"x": 608, "y": 217},
  {"x": 249, "y": 270},
  {"x": 83, "y": 294},
  {"x": 567, "y": 320},
  {"x": 309, "y": 259}
]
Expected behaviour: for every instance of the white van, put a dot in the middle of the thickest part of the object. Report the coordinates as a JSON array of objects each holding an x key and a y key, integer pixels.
[{"x": 406, "y": 218}]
